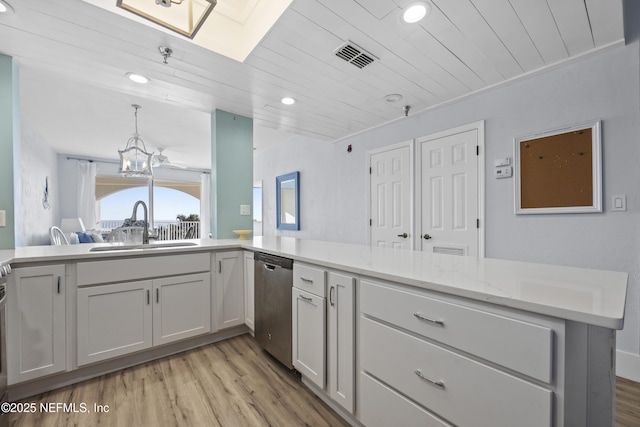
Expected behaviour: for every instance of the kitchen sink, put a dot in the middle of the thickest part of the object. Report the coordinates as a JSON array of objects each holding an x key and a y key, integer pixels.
[{"x": 117, "y": 247}]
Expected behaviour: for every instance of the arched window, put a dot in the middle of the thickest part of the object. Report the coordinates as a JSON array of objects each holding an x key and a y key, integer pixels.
[{"x": 171, "y": 200}]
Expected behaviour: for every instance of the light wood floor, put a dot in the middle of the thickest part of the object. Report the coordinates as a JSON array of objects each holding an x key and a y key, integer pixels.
[
  {"x": 232, "y": 383},
  {"x": 229, "y": 384},
  {"x": 627, "y": 403}
]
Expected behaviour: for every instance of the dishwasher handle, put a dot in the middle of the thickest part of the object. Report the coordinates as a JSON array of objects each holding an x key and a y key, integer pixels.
[
  {"x": 269, "y": 267},
  {"x": 272, "y": 260}
]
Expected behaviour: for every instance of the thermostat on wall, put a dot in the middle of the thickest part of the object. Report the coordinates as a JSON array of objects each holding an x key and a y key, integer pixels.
[{"x": 505, "y": 172}]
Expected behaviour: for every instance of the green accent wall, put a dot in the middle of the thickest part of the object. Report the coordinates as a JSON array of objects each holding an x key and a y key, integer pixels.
[
  {"x": 9, "y": 146},
  {"x": 231, "y": 173}
]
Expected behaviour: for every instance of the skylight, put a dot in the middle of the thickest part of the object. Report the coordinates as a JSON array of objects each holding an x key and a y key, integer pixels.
[{"x": 232, "y": 29}]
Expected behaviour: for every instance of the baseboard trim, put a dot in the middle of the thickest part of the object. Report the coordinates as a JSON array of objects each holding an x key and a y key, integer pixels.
[{"x": 628, "y": 365}]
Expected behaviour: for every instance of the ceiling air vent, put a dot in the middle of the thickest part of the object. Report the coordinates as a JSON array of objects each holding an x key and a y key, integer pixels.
[{"x": 354, "y": 55}]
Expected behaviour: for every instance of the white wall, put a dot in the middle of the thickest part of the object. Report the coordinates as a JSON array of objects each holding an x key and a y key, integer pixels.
[
  {"x": 37, "y": 162},
  {"x": 604, "y": 87}
]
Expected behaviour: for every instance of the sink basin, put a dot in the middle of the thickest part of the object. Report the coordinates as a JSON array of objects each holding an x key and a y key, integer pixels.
[{"x": 117, "y": 247}]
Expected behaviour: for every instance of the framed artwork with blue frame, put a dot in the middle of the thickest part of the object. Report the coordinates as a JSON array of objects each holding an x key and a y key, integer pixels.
[{"x": 288, "y": 201}]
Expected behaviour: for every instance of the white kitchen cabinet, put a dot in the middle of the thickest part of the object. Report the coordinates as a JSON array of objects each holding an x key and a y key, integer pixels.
[
  {"x": 443, "y": 381},
  {"x": 308, "y": 335},
  {"x": 324, "y": 330},
  {"x": 36, "y": 338},
  {"x": 249, "y": 290},
  {"x": 380, "y": 406},
  {"x": 114, "y": 320},
  {"x": 181, "y": 308},
  {"x": 309, "y": 325},
  {"x": 446, "y": 351},
  {"x": 524, "y": 346},
  {"x": 117, "y": 319},
  {"x": 229, "y": 284},
  {"x": 341, "y": 339}
]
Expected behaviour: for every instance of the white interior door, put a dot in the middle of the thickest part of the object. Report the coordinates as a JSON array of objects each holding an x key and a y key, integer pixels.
[
  {"x": 450, "y": 187},
  {"x": 391, "y": 192}
]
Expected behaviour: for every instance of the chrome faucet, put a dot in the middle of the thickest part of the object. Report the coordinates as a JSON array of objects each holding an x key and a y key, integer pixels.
[{"x": 145, "y": 231}]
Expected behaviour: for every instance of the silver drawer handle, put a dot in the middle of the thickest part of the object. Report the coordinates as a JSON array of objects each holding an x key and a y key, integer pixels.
[
  {"x": 306, "y": 298},
  {"x": 440, "y": 384},
  {"x": 426, "y": 319},
  {"x": 304, "y": 279}
]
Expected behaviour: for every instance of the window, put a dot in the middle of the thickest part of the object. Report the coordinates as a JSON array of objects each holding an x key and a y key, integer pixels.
[{"x": 116, "y": 197}]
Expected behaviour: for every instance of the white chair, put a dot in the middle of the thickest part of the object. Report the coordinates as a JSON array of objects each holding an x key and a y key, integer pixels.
[{"x": 57, "y": 236}]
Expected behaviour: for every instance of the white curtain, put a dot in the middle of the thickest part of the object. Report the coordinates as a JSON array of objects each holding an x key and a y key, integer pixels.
[
  {"x": 86, "y": 191},
  {"x": 205, "y": 205}
]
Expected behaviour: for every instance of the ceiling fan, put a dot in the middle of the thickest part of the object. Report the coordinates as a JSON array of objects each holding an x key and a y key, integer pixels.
[{"x": 160, "y": 160}]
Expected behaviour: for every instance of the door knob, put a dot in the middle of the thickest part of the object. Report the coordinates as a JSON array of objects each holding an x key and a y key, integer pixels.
[
  {"x": 403, "y": 235},
  {"x": 426, "y": 237}
]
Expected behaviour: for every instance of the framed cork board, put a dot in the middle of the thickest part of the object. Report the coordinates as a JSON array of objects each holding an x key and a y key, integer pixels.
[{"x": 559, "y": 171}]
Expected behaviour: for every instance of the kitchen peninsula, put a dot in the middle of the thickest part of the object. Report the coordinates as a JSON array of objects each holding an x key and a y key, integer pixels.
[{"x": 442, "y": 339}]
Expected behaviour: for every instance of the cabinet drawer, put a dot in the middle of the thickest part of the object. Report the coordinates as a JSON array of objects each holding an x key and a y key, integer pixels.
[
  {"x": 309, "y": 278},
  {"x": 381, "y": 406},
  {"x": 309, "y": 335},
  {"x": 139, "y": 267},
  {"x": 516, "y": 344},
  {"x": 444, "y": 381}
]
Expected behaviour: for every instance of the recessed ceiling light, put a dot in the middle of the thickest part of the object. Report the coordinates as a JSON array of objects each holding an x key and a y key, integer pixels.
[
  {"x": 5, "y": 7},
  {"x": 393, "y": 97},
  {"x": 138, "y": 78},
  {"x": 288, "y": 100},
  {"x": 415, "y": 12}
]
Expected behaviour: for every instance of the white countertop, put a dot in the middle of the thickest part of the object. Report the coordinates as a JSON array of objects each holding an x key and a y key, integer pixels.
[{"x": 589, "y": 296}]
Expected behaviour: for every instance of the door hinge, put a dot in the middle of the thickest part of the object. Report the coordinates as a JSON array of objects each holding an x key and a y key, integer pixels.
[
  {"x": 477, "y": 150},
  {"x": 477, "y": 222},
  {"x": 370, "y": 171},
  {"x": 370, "y": 222}
]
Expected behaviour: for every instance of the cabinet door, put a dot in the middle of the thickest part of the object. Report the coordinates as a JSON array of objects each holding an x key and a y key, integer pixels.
[
  {"x": 229, "y": 289},
  {"x": 181, "y": 307},
  {"x": 249, "y": 293},
  {"x": 308, "y": 337},
  {"x": 113, "y": 320},
  {"x": 341, "y": 339},
  {"x": 36, "y": 318}
]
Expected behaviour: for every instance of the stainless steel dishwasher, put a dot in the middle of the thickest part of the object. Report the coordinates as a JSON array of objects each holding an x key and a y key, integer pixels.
[{"x": 273, "y": 284}]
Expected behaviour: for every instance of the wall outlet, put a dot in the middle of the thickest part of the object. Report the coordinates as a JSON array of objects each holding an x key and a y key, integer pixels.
[
  {"x": 3, "y": 218},
  {"x": 245, "y": 209}
]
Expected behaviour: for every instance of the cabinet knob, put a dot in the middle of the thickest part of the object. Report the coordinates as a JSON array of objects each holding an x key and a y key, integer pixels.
[
  {"x": 426, "y": 237},
  {"x": 403, "y": 235}
]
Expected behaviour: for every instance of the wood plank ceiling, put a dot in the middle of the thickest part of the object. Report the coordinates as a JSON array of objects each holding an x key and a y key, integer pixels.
[{"x": 73, "y": 57}]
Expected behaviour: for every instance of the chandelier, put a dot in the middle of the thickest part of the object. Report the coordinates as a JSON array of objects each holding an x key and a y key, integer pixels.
[
  {"x": 135, "y": 161},
  {"x": 185, "y": 17}
]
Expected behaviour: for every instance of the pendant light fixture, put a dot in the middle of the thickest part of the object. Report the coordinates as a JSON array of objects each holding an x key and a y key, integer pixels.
[{"x": 135, "y": 160}]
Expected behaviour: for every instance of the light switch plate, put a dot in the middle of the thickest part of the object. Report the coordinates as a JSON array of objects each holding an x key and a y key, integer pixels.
[
  {"x": 619, "y": 203},
  {"x": 245, "y": 209},
  {"x": 3, "y": 218}
]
